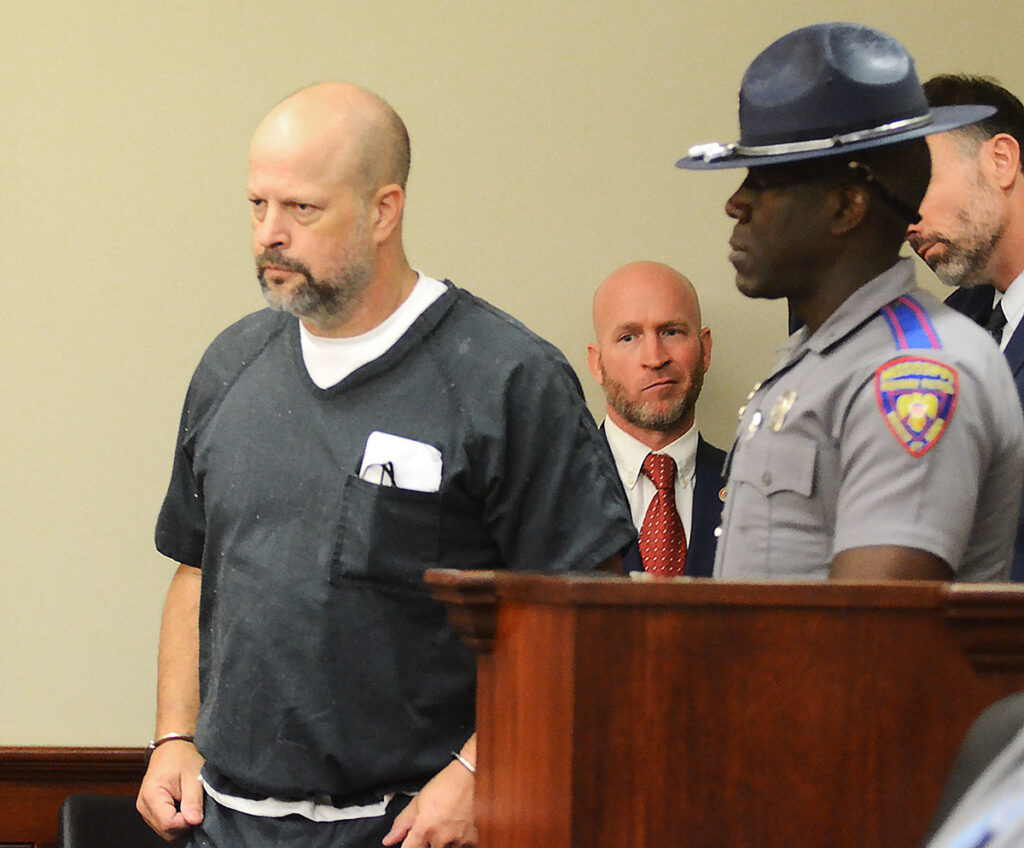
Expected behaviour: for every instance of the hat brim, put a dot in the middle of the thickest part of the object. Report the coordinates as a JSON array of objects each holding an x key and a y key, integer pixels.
[{"x": 944, "y": 118}]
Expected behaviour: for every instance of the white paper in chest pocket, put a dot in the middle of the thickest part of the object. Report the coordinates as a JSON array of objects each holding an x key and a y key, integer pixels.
[{"x": 390, "y": 460}]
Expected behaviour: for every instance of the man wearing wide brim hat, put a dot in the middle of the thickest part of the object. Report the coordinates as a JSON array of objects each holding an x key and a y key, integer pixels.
[{"x": 880, "y": 446}]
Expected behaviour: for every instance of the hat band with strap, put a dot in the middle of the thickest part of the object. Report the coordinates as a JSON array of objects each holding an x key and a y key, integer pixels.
[{"x": 713, "y": 150}]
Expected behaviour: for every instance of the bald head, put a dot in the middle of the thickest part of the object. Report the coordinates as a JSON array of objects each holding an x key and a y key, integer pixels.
[
  {"x": 650, "y": 351},
  {"x": 349, "y": 135},
  {"x": 642, "y": 285},
  {"x": 326, "y": 168}
]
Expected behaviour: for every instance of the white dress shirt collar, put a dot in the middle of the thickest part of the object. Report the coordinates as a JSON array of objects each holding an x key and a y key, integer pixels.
[{"x": 630, "y": 453}]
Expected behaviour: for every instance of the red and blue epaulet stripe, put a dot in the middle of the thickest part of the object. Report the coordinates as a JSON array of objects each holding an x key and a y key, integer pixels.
[{"x": 910, "y": 325}]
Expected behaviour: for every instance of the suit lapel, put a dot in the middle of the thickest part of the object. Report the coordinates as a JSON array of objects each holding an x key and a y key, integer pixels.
[
  {"x": 707, "y": 510},
  {"x": 631, "y": 559},
  {"x": 974, "y": 302},
  {"x": 1015, "y": 356}
]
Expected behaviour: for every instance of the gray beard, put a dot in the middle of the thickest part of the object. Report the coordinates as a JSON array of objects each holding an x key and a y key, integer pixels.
[
  {"x": 327, "y": 302},
  {"x": 965, "y": 265},
  {"x": 981, "y": 229}
]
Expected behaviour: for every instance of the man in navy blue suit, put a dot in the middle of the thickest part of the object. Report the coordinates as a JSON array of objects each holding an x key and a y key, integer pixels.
[
  {"x": 649, "y": 355},
  {"x": 971, "y": 231}
]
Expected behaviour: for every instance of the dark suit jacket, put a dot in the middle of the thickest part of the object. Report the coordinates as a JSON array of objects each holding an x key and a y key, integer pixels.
[
  {"x": 976, "y": 303},
  {"x": 707, "y": 514}
]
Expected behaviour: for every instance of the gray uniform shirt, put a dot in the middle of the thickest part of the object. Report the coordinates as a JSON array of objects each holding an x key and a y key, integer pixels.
[{"x": 888, "y": 426}]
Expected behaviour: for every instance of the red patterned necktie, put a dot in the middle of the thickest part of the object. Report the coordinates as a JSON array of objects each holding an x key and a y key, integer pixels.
[{"x": 662, "y": 537}]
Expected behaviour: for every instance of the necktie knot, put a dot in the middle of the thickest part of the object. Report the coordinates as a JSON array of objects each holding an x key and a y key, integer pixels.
[{"x": 661, "y": 471}]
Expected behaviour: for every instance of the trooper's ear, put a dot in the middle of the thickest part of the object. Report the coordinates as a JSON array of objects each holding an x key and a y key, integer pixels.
[{"x": 849, "y": 204}]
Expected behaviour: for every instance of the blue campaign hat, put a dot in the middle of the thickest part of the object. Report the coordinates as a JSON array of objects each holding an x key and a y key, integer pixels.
[{"x": 827, "y": 90}]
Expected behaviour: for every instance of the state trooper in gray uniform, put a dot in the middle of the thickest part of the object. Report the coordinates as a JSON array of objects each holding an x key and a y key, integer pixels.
[{"x": 880, "y": 446}]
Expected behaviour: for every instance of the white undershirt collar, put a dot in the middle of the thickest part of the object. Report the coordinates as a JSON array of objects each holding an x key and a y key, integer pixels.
[{"x": 331, "y": 360}]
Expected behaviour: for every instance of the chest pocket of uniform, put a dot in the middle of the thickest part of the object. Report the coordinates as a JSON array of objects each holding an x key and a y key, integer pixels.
[
  {"x": 386, "y": 534},
  {"x": 787, "y": 466}
]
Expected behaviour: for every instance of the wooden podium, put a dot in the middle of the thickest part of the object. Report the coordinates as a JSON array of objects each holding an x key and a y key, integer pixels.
[{"x": 698, "y": 713}]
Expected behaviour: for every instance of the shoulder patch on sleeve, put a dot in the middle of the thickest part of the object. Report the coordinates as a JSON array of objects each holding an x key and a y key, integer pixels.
[{"x": 917, "y": 398}]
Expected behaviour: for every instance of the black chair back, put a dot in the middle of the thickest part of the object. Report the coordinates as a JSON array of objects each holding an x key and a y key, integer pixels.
[{"x": 103, "y": 821}]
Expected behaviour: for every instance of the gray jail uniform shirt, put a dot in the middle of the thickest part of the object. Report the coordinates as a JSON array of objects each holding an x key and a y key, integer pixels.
[
  {"x": 326, "y": 667},
  {"x": 890, "y": 425}
]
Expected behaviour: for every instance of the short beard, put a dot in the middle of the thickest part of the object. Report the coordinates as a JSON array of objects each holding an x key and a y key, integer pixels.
[
  {"x": 327, "y": 302},
  {"x": 968, "y": 255},
  {"x": 964, "y": 264},
  {"x": 642, "y": 415}
]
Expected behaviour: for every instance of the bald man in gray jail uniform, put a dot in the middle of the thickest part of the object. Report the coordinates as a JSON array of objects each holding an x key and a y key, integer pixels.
[
  {"x": 375, "y": 423},
  {"x": 881, "y": 446}
]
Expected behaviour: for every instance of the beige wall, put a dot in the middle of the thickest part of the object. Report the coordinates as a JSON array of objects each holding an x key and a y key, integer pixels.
[{"x": 544, "y": 135}]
